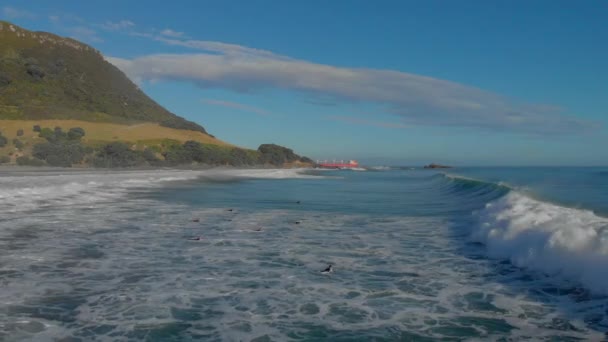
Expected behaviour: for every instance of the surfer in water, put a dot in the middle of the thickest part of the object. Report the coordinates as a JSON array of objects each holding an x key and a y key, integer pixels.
[{"x": 329, "y": 269}]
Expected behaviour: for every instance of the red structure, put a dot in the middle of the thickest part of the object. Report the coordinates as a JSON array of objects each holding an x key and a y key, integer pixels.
[{"x": 338, "y": 165}]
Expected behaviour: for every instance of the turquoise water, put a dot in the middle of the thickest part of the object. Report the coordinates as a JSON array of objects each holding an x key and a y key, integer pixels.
[{"x": 467, "y": 254}]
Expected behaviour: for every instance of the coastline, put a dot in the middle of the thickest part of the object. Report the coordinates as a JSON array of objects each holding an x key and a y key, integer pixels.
[{"x": 25, "y": 168}]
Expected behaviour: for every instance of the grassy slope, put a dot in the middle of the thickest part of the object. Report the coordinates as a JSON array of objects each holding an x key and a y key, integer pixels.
[
  {"x": 145, "y": 134},
  {"x": 44, "y": 76}
]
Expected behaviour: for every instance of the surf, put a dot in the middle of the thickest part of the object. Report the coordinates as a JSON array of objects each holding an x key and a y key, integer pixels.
[{"x": 569, "y": 244}]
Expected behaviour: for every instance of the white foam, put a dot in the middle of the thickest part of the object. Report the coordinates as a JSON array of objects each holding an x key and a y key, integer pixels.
[
  {"x": 548, "y": 238},
  {"x": 41, "y": 189},
  {"x": 265, "y": 173}
]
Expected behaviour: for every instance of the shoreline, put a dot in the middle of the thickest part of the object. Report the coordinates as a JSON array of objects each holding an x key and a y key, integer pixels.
[{"x": 25, "y": 168}]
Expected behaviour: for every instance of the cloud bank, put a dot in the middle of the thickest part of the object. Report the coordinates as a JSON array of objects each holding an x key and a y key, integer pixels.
[
  {"x": 414, "y": 99},
  {"x": 15, "y": 13},
  {"x": 118, "y": 25},
  {"x": 236, "y": 105}
]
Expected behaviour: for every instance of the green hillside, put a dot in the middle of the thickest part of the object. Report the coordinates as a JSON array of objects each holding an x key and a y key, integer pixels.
[{"x": 44, "y": 76}]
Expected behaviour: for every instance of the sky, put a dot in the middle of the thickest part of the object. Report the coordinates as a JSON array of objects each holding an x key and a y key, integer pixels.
[{"x": 384, "y": 82}]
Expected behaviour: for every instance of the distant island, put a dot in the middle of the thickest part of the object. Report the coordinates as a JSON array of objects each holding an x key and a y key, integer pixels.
[
  {"x": 437, "y": 166},
  {"x": 62, "y": 104}
]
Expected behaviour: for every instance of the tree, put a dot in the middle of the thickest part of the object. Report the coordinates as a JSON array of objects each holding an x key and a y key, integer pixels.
[
  {"x": 76, "y": 133},
  {"x": 59, "y": 153},
  {"x": 276, "y": 155},
  {"x": 117, "y": 154},
  {"x": 47, "y": 133}
]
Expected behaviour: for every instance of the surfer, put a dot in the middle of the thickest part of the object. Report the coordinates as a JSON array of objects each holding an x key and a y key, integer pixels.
[{"x": 329, "y": 269}]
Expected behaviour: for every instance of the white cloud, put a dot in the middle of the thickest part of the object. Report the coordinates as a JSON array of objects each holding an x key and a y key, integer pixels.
[
  {"x": 171, "y": 33},
  {"x": 236, "y": 105},
  {"x": 415, "y": 99},
  {"x": 83, "y": 33},
  {"x": 365, "y": 122},
  {"x": 118, "y": 25},
  {"x": 15, "y": 13}
]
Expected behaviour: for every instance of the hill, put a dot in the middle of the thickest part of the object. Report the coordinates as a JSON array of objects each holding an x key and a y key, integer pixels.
[
  {"x": 63, "y": 104},
  {"x": 44, "y": 76}
]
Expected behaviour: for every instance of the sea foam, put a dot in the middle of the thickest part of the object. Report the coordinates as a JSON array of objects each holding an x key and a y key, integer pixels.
[
  {"x": 33, "y": 190},
  {"x": 545, "y": 237}
]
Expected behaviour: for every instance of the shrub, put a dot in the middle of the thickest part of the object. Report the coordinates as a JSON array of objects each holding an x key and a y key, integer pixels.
[
  {"x": 29, "y": 161},
  {"x": 59, "y": 153},
  {"x": 19, "y": 132},
  {"x": 36, "y": 128},
  {"x": 4, "y": 159},
  {"x": 76, "y": 133},
  {"x": 117, "y": 154},
  {"x": 150, "y": 156},
  {"x": 54, "y": 135},
  {"x": 46, "y": 133},
  {"x": 3, "y": 140},
  {"x": 18, "y": 144}
]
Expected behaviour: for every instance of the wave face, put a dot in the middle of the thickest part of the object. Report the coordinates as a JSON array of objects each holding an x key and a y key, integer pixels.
[{"x": 542, "y": 236}]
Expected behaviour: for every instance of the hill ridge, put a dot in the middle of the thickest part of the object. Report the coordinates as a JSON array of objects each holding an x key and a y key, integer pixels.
[{"x": 44, "y": 37}]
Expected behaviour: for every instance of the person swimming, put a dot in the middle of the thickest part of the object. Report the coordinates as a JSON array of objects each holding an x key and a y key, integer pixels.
[{"x": 329, "y": 269}]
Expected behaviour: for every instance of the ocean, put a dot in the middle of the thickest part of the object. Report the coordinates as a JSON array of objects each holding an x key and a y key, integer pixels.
[{"x": 475, "y": 254}]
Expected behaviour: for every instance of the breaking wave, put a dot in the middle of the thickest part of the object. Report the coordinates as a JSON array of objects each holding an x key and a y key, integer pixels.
[
  {"x": 546, "y": 237},
  {"x": 33, "y": 190},
  {"x": 568, "y": 243}
]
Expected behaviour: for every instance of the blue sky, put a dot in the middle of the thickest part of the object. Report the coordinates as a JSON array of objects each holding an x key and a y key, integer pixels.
[{"x": 386, "y": 82}]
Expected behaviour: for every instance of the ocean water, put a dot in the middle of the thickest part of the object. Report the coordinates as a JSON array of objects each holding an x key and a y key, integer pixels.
[{"x": 235, "y": 255}]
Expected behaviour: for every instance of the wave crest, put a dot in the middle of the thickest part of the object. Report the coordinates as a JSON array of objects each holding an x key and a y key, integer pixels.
[{"x": 545, "y": 237}]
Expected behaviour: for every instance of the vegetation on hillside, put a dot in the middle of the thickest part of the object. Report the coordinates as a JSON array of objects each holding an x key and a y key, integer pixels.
[
  {"x": 44, "y": 76},
  {"x": 67, "y": 149}
]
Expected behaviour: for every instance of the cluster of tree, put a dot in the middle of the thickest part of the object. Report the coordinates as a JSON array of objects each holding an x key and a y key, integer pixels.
[
  {"x": 195, "y": 152},
  {"x": 66, "y": 149},
  {"x": 62, "y": 148},
  {"x": 278, "y": 155},
  {"x": 3, "y": 140},
  {"x": 119, "y": 154}
]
